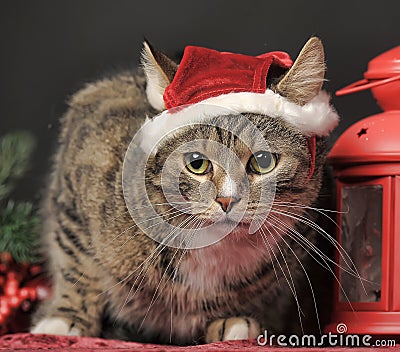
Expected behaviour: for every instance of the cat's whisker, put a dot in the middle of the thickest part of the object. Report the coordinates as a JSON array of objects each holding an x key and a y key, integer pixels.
[
  {"x": 323, "y": 256},
  {"x": 172, "y": 289},
  {"x": 109, "y": 221},
  {"x": 305, "y": 273},
  {"x": 133, "y": 226},
  {"x": 321, "y": 211},
  {"x": 169, "y": 212},
  {"x": 157, "y": 292},
  {"x": 270, "y": 250},
  {"x": 292, "y": 286},
  {"x": 324, "y": 212},
  {"x": 76, "y": 282},
  {"x": 303, "y": 239},
  {"x": 173, "y": 211},
  {"x": 118, "y": 283},
  {"x": 256, "y": 247},
  {"x": 149, "y": 257},
  {"x": 133, "y": 271},
  {"x": 299, "y": 205},
  {"x": 153, "y": 256},
  {"x": 318, "y": 210},
  {"x": 348, "y": 269},
  {"x": 197, "y": 226},
  {"x": 172, "y": 235},
  {"x": 292, "y": 289},
  {"x": 299, "y": 237},
  {"x": 161, "y": 248},
  {"x": 171, "y": 216},
  {"x": 154, "y": 299},
  {"x": 342, "y": 252},
  {"x": 176, "y": 214}
]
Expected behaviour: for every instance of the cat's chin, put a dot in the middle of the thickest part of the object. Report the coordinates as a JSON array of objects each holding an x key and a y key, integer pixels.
[
  {"x": 231, "y": 227},
  {"x": 242, "y": 228},
  {"x": 248, "y": 229},
  {"x": 228, "y": 230}
]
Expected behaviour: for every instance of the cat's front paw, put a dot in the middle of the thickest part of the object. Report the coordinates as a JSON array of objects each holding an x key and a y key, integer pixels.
[
  {"x": 55, "y": 326},
  {"x": 237, "y": 328}
]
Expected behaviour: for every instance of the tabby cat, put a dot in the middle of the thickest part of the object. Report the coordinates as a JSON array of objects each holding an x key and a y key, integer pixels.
[{"x": 116, "y": 278}]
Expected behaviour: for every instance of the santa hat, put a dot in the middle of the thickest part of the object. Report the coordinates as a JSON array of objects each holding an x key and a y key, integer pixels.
[{"x": 229, "y": 83}]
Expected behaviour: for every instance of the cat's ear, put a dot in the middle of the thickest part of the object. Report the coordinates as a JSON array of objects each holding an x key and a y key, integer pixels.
[
  {"x": 305, "y": 78},
  {"x": 160, "y": 71}
]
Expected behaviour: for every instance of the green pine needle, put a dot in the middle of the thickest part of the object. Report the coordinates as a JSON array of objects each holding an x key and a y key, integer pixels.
[
  {"x": 15, "y": 151},
  {"x": 18, "y": 232},
  {"x": 18, "y": 223}
]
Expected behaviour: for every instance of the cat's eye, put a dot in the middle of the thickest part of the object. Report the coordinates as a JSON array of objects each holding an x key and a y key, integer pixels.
[
  {"x": 197, "y": 163},
  {"x": 262, "y": 162}
]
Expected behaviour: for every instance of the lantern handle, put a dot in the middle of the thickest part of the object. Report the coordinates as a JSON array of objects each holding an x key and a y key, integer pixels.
[{"x": 364, "y": 84}]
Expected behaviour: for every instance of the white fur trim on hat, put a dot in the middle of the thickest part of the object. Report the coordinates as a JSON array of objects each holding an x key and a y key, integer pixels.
[{"x": 317, "y": 117}]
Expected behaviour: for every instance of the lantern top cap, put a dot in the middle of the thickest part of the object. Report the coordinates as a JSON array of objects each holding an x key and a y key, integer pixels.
[
  {"x": 384, "y": 65},
  {"x": 383, "y": 70},
  {"x": 374, "y": 139}
]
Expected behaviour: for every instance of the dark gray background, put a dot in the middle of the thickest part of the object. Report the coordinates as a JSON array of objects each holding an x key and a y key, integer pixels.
[{"x": 50, "y": 48}]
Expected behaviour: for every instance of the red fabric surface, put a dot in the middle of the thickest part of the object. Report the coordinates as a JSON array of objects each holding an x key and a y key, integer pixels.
[
  {"x": 204, "y": 73},
  {"x": 28, "y": 342}
]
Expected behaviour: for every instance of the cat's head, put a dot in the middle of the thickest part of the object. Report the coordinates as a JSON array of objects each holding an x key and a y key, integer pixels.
[{"x": 230, "y": 160}]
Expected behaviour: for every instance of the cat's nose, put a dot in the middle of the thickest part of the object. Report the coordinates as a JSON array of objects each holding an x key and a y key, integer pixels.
[{"x": 226, "y": 203}]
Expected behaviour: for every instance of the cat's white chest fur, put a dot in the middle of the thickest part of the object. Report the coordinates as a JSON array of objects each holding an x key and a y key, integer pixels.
[{"x": 232, "y": 258}]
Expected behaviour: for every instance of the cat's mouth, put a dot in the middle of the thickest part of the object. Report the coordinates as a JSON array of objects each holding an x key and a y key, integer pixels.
[
  {"x": 245, "y": 226},
  {"x": 228, "y": 223}
]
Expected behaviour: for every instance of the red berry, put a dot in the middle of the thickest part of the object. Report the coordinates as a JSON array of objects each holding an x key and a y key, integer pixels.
[
  {"x": 3, "y": 268},
  {"x": 11, "y": 277},
  {"x": 5, "y": 257},
  {"x": 14, "y": 301},
  {"x": 3, "y": 301},
  {"x": 24, "y": 293},
  {"x": 32, "y": 294},
  {"x": 5, "y": 310},
  {"x": 11, "y": 289},
  {"x": 35, "y": 269}
]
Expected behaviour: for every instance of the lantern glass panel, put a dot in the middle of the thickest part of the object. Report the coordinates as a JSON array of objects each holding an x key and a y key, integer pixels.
[{"x": 362, "y": 241}]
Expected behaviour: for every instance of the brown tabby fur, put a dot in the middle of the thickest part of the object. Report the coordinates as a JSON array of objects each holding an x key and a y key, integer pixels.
[{"x": 96, "y": 255}]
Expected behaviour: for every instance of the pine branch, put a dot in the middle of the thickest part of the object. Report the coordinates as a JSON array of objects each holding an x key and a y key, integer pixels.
[
  {"x": 18, "y": 232},
  {"x": 15, "y": 151},
  {"x": 18, "y": 224}
]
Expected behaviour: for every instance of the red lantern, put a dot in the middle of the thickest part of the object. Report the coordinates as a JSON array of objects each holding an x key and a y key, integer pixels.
[{"x": 366, "y": 162}]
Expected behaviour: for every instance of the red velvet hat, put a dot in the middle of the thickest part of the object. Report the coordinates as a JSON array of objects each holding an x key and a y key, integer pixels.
[
  {"x": 205, "y": 73},
  {"x": 232, "y": 83}
]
